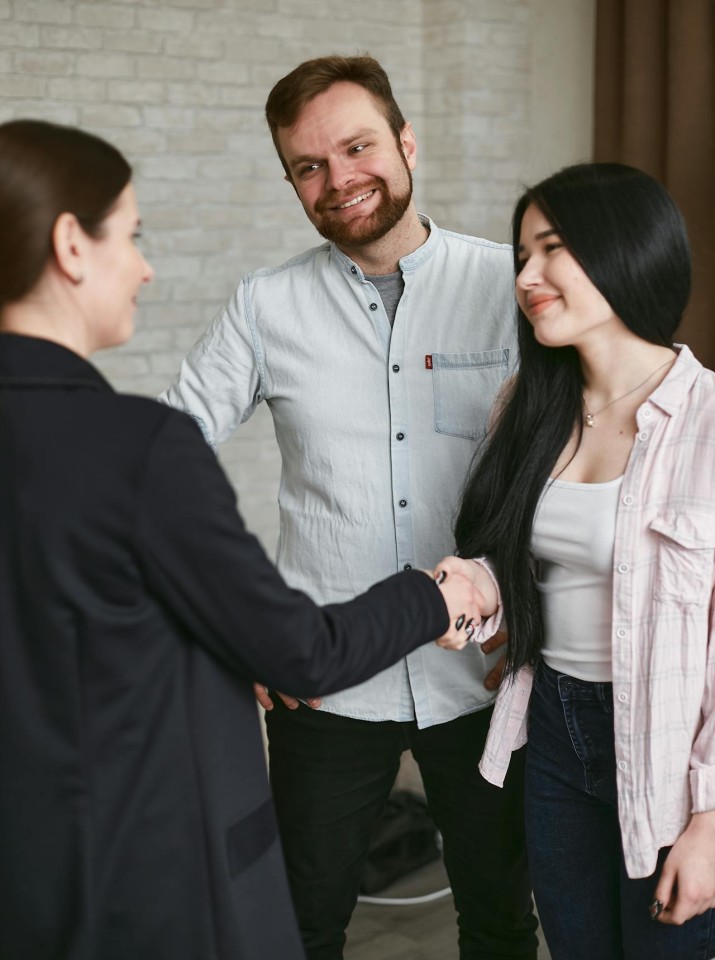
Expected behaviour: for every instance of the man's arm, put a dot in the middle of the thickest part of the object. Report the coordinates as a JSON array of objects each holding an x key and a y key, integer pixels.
[
  {"x": 220, "y": 382},
  {"x": 219, "y": 385}
]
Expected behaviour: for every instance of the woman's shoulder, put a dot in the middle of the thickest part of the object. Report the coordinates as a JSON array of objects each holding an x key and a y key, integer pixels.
[
  {"x": 700, "y": 398},
  {"x": 135, "y": 424},
  {"x": 687, "y": 394}
]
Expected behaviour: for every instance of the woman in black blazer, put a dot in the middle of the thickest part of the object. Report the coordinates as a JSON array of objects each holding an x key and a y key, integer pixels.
[{"x": 135, "y": 611}]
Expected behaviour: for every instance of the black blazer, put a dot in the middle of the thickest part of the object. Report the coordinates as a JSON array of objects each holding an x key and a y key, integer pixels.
[{"x": 135, "y": 610}]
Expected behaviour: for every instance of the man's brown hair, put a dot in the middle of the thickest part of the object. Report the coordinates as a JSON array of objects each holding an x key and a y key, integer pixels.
[{"x": 300, "y": 86}]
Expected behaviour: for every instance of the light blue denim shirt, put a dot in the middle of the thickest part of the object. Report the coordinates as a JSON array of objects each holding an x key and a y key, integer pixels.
[{"x": 376, "y": 428}]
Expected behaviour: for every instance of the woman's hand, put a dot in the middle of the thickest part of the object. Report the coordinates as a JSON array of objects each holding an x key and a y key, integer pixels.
[
  {"x": 687, "y": 882},
  {"x": 464, "y": 606},
  {"x": 477, "y": 575}
]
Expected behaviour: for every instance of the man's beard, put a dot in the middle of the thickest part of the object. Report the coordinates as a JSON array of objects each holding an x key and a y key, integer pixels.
[{"x": 364, "y": 230}]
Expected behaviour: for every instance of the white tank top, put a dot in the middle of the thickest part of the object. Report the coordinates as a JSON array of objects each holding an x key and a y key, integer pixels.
[{"x": 572, "y": 545}]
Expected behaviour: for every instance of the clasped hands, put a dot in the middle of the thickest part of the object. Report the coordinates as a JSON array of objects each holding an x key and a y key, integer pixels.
[
  {"x": 484, "y": 596},
  {"x": 469, "y": 594}
]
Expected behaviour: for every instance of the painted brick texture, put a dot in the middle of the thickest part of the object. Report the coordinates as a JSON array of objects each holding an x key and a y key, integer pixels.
[{"x": 180, "y": 88}]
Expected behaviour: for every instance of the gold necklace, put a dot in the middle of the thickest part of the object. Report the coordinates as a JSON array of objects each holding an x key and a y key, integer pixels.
[{"x": 590, "y": 418}]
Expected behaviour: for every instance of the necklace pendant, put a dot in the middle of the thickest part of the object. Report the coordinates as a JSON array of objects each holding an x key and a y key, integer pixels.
[{"x": 590, "y": 421}]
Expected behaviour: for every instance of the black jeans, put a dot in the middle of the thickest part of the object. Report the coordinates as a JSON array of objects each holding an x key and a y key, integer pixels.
[{"x": 331, "y": 776}]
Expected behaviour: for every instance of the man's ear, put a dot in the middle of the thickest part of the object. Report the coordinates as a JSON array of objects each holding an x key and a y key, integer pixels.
[
  {"x": 69, "y": 243},
  {"x": 408, "y": 144}
]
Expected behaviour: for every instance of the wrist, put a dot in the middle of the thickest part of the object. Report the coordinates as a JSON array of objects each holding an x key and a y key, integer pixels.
[
  {"x": 703, "y": 822},
  {"x": 487, "y": 586}
]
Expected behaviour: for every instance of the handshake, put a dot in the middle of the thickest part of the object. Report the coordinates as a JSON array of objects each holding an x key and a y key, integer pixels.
[{"x": 470, "y": 595}]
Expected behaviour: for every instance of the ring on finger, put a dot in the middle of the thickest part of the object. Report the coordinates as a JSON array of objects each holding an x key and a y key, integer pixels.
[{"x": 656, "y": 908}]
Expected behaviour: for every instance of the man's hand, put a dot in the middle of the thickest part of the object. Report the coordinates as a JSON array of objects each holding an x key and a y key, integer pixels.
[
  {"x": 496, "y": 674},
  {"x": 292, "y": 703},
  {"x": 687, "y": 882}
]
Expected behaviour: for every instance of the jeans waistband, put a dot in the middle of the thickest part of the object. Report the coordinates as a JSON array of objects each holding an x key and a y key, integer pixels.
[{"x": 572, "y": 688}]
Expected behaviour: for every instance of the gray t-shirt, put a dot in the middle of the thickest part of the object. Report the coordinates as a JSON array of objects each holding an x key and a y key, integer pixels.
[{"x": 390, "y": 287}]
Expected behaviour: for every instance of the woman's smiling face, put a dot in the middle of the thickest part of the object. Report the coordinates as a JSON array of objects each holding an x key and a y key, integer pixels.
[
  {"x": 116, "y": 270},
  {"x": 553, "y": 290}
]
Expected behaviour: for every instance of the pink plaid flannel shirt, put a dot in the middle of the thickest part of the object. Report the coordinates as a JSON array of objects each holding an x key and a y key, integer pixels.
[{"x": 662, "y": 624}]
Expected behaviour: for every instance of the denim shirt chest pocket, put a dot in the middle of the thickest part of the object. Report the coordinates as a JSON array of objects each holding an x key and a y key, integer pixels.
[
  {"x": 686, "y": 553},
  {"x": 465, "y": 385}
]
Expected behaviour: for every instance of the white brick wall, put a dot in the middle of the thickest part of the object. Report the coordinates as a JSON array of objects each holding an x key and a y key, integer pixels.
[{"x": 180, "y": 87}]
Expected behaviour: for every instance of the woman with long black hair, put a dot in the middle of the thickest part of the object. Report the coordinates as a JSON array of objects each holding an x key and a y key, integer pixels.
[{"x": 592, "y": 517}]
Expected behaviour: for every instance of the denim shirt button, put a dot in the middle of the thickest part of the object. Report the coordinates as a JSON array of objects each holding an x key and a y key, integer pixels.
[
  {"x": 395, "y": 368},
  {"x": 400, "y": 436},
  {"x": 353, "y": 270},
  {"x": 373, "y": 306},
  {"x": 407, "y": 566},
  {"x": 623, "y": 697},
  {"x": 622, "y": 765},
  {"x": 403, "y": 503}
]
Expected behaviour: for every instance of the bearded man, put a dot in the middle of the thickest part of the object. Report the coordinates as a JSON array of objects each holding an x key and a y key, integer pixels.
[{"x": 379, "y": 354}]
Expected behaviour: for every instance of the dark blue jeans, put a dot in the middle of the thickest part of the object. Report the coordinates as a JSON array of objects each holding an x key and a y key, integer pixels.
[
  {"x": 331, "y": 777},
  {"x": 588, "y": 907}
]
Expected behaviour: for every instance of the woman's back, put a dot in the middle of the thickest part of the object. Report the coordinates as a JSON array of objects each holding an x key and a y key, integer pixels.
[{"x": 112, "y": 717}]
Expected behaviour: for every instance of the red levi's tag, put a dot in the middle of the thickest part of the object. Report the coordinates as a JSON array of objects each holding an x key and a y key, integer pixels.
[{"x": 428, "y": 361}]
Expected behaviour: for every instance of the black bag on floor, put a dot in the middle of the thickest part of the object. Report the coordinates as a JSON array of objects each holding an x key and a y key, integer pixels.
[{"x": 404, "y": 839}]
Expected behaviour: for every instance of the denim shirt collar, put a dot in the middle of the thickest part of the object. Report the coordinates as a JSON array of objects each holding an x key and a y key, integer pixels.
[{"x": 407, "y": 264}]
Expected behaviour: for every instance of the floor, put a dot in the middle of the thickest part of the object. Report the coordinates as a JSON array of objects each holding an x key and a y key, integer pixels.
[{"x": 425, "y": 931}]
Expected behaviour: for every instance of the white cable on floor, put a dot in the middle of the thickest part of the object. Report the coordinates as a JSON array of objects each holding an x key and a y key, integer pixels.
[
  {"x": 405, "y": 901},
  {"x": 411, "y": 901}
]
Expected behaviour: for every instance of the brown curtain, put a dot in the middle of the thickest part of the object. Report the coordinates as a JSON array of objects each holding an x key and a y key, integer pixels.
[{"x": 655, "y": 109}]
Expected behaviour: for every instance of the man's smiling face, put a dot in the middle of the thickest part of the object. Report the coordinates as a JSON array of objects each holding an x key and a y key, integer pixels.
[{"x": 353, "y": 180}]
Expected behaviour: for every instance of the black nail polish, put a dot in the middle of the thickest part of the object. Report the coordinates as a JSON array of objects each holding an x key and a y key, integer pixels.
[
  {"x": 460, "y": 621},
  {"x": 656, "y": 908}
]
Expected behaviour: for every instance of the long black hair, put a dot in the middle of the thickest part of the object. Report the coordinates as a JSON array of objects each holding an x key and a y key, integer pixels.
[{"x": 625, "y": 231}]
